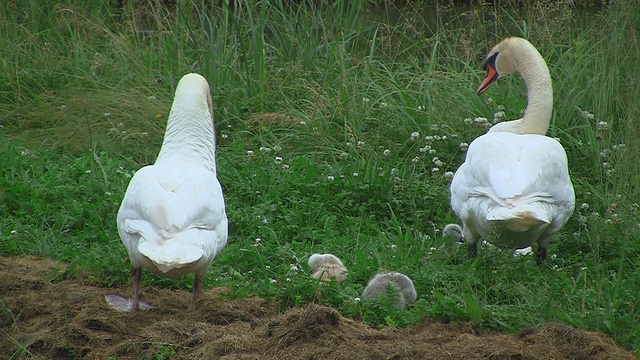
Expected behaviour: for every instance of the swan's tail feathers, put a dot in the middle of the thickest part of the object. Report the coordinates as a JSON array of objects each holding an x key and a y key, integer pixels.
[
  {"x": 180, "y": 250},
  {"x": 519, "y": 219}
]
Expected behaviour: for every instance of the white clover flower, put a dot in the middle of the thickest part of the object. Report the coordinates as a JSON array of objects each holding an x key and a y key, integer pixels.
[
  {"x": 293, "y": 267},
  {"x": 87, "y": 172},
  {"x": 225, "y": 136},
  {"x": 394, "y": 246},
  {"x": 420, "y": 107},
  {"x": 448, "y": 174},
  {"x": 444, "y": 137},
  {"x": 355, "y": 174},
  {"x": 24, "y": 152},
  {"x": 414, "y": 136},
  {"x": 108, "y": 193},
  {"x": 302, "y": 122},
  {"x": 273, "y": 281},
  {"x": 394, "y": 171},
  {"x": 62, "y": 107},
  {"x": 605, "y": 165},
  {"x": 330, "y": 178},
  {"x": 344, "y": 155},
  {"x": 356, "y": 300},
  {"x": 365, "y": 100},
  {"x": 584, "y": 206},
  {"x": 277, "y": 148},
  {"x": 438, "y": 163},
  {"x": 107, "y": 114},
  {"x": 432, "y": 151},
  {"x": 348, "y": 144},
  {"x": 463, "y": 146},
  {"x": 434, "y": 127},
  {"x": 500, "y": 107},
  {"x": 468, "y": 121},
  {"x": 278, "y": 160},
  {"x": 425, "y": 149},
  {"x": 360, "y": 144},
  {"x": 265, "y": 149},
  {"x": 481, "y": 121},
  {"x": 249, "y": 152},
  {"x": 489, "y": 101},
  {"x": 437, "y": 137},
  {"x": 428, "y": 138},
  {"x": 14, "y": 232},
  {"x": 285, "y": 167},
  {"x": 587, "y": 115},
  {"x": 435, "y": 170},
  {"x": 383, "y": 105},
  {"x": 386, "y": 152},
  {"x": 415, "y": 160},
  {"x": 603, "y": 126}
]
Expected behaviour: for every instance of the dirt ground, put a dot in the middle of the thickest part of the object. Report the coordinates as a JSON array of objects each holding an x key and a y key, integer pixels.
[{"x": 71, "y": 320}]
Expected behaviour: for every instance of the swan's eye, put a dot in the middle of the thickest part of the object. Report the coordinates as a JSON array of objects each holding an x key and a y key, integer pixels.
[{"x": 491, "y": 60}]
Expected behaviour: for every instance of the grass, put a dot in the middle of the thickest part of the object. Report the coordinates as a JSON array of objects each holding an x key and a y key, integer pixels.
[{"x": 315, "y": 109}]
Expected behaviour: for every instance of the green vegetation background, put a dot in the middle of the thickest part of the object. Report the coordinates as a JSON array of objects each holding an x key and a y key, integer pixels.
[{"x": 338, "y": 126}]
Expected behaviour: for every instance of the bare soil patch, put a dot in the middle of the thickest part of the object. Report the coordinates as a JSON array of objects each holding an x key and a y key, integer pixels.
[{"x": 71, "y": 320}]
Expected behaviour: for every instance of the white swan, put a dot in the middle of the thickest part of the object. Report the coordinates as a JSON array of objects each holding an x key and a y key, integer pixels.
[
  {"x": 172, "y": 219},
  {"x": 327, "y": 266},
  {"x": 401, "y": 285},
  {"x": 514, "y": 189}
]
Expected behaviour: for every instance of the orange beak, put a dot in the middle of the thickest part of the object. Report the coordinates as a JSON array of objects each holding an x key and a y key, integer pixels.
[{"x": 492, "y": 75}]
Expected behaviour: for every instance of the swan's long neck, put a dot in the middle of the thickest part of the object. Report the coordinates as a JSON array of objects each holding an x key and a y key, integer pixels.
[
  {"x": 535, "y": 73},
  {"x": 190, "y": 136}
]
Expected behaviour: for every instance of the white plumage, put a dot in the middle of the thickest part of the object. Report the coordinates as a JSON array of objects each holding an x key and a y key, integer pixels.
[
  {"x": 172, "y": 219},
  {"x": 514, "y": 189}
]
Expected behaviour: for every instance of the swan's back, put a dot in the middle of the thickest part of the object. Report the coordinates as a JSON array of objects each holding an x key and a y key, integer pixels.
[
  {"x": 513, "y": 188},
  {"x": 172, "y": 219}
]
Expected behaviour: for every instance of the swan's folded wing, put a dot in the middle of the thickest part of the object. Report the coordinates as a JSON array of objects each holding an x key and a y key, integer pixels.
[{"x": 171, "y": 200}]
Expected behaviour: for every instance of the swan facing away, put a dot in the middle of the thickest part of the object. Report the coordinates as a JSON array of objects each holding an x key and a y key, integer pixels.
[
  {"x": 514, "y": 190},
  {"x": 400, "y": 284},
  {"x": 172, "y": 219},
  {"x": 326, "y": 267}
]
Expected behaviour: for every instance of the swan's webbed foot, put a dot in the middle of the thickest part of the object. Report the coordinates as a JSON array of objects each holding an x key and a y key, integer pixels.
[{"x": 123, "y": 304}]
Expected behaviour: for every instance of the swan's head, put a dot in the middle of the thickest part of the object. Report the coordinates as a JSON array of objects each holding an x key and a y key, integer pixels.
[
  {"x": 454, "y": 231},
  {"x": 501, "y": 61},
  {"x": 193, "y": 91}
]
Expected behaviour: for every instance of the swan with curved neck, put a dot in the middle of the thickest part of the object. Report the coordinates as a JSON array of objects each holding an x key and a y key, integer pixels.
[
  {"x": 518, "y": 55},
  {"x": 513, "y": 189}
]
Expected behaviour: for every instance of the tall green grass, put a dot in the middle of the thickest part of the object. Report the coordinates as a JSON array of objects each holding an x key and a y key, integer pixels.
[{"x": 315, "y": 107}]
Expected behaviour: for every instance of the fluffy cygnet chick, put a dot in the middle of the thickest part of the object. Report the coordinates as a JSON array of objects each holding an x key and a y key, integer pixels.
[
  {"x": 400, "y": 283},
  {"x": 327, "y": 266},
  {"x": 454, "y": 231}
]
